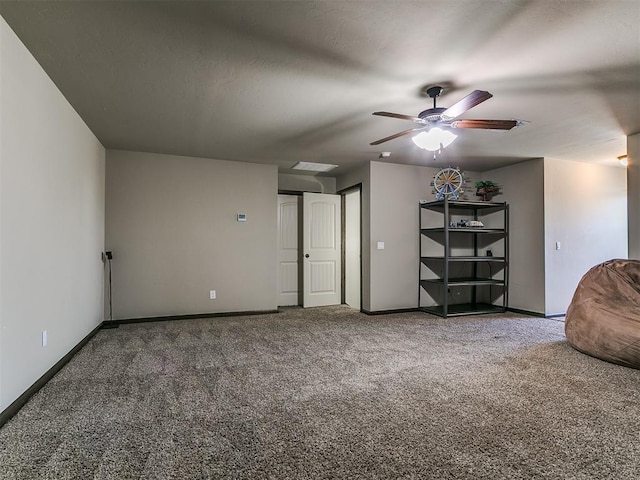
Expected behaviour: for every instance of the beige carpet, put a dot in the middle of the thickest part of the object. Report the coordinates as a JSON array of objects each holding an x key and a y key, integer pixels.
[{"x": 330, "y": 393}]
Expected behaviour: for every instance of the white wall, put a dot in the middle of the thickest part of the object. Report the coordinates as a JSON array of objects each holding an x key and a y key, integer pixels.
[
  {"x": 51, "y": 222},
  {"x": 633, "y": 189},
  {"x": 171, "y": 224},
  {"x": 522, "y": 185},
  {"x": 585, "y": 209}
]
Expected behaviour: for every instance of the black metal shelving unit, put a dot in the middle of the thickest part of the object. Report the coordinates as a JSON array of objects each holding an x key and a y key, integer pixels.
[{"x": 483, "y": 278}]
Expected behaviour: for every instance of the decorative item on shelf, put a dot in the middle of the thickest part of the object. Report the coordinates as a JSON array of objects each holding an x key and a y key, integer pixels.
[
  {"x": 466, "y": 223},
  {"x": 486, "y": 190},
  {"x": 448, "y": 182}
]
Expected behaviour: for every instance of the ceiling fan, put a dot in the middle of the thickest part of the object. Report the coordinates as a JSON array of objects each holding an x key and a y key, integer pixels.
[{"x": 446, "y": 117}]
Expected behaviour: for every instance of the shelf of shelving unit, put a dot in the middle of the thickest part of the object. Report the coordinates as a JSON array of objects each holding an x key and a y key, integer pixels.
[
  {"x": 462, "y": 205},
  {"x": 465, "y": 259},
  {"x": 443, "y": 234},
  {"x": 460, "y": 281},
  {"x": 494, "y": 231},
  {"x": 459, "y": 309}
]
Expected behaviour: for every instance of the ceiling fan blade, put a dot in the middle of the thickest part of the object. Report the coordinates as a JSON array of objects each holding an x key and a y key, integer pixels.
[
  {"x": 485, "y": 124},
  {"x": 400, "y": 116},
  {"x": 396, "y": 135},
  {"x": 474, "y": 98}
]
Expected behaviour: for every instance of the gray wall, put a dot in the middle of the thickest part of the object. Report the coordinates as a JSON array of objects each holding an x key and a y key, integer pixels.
[
  {"x": 522, "y": 185},
  {"x": 395, "y": 194},
  {"x": 171, "y": 224},
  {"x": 51, "y": 222},
  {"x": 306, "y": 183},
  {"x": 390, "y": 197},
  {"x": 633, "y": 187},
  {"x": 585, "y": 209}
]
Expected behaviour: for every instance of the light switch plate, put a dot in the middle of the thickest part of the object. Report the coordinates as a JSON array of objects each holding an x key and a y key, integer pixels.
[
  {"x": 242, "y": 217},
  {"x": 380, "y": 245}
]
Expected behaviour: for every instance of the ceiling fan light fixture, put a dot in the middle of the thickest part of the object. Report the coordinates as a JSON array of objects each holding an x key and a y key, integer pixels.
[
  {"x": 624, "y": 160},
  {"x": 434, "y": 139}
]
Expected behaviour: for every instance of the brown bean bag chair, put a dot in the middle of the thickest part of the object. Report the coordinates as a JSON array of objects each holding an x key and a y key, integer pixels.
[{"x": 603, "y": 319}]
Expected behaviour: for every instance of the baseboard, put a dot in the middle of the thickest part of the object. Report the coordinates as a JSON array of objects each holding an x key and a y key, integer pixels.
[
  {"x": 12, "y": 409},
  {"x": 188, "y": 317},
  {"x": 536, "y": 314},
  {"x": 387, "y": 312},
  {"x": 526, "y": 312}
]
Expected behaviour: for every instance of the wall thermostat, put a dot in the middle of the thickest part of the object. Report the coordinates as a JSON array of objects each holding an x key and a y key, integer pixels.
[{"x": 242, "y": 217}]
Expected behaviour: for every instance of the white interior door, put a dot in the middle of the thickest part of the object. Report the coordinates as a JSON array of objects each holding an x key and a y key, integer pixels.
[
  {"x": 321, "y": 249},
  {"x": 288, "y": 250}
]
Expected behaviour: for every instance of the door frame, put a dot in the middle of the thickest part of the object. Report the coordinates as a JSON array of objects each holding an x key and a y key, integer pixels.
[
  {"x": 298, "y": 201},
  {"x": 343, "y": 193},
  {"x": 298, "y": 194}
]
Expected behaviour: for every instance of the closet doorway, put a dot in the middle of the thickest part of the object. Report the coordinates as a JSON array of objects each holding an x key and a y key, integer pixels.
[{"x": 319, "y": 249}]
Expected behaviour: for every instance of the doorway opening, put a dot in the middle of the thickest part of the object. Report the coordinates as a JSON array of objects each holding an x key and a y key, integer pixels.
[{"x": 319, "y": 245}]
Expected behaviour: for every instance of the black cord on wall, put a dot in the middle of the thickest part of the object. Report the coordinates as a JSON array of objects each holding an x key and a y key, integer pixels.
[{"x": 110, "y": 323}]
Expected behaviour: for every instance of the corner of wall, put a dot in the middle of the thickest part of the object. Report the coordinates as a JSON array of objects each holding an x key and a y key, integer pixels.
[{"x": 522, "y": 185}]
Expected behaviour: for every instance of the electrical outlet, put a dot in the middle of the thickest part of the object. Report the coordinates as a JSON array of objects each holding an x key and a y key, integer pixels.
[
  {"x": 212, "y": 294},
  {"x": 44, "y": 338}
]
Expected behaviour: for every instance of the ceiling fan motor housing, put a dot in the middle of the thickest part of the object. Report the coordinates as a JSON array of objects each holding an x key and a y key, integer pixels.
[{"x": 431, "y": 114}]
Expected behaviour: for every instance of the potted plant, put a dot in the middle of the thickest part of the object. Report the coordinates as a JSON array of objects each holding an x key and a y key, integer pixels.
[{"x": 486, "y": 190}]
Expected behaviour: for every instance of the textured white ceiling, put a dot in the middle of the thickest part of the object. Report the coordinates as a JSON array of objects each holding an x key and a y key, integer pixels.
[{"x": 278, "y": 82}]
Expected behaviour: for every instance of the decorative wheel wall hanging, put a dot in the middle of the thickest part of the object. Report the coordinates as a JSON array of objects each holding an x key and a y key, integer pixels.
[{"x": 448, "y": 182}]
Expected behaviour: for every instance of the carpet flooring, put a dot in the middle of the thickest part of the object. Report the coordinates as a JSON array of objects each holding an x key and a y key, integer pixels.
[{"x": 330, "y": 393}]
